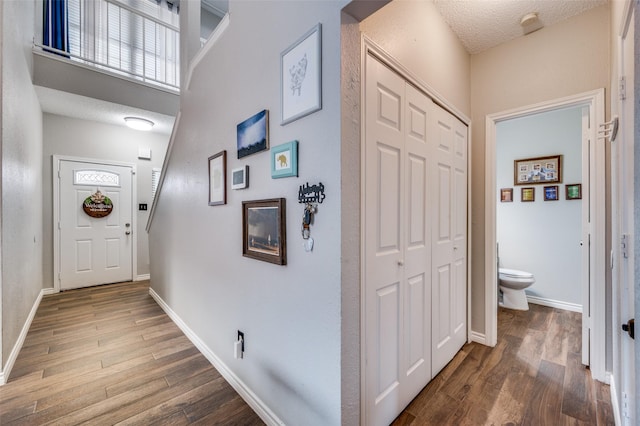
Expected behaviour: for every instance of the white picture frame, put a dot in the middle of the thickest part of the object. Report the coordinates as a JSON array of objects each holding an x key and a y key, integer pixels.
[
  {"x": 240, "y": 178},
  {"x": 301, "y": 77}
]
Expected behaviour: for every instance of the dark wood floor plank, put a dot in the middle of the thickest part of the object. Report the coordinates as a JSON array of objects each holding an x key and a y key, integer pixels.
[
  {"x": 546, "y": 401},
  {"x": 107, "y": 354}
]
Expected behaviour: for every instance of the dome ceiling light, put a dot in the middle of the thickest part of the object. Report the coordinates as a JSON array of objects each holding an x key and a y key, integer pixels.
[{"x": 139, "y": 123}]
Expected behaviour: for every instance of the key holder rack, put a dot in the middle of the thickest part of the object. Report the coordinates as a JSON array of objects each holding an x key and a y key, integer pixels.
[{"x": 310, "y": 196}]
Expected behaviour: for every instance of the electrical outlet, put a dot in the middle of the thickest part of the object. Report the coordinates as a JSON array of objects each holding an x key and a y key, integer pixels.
[{"x": 241, "y": 340}]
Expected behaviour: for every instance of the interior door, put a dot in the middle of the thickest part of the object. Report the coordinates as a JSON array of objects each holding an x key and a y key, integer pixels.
[
  {"x": 449, "y": 281},
  {"x": 626, "y": 173},
  {"x": 397, "y": 294},
  {"x": 94, "y": 250}
]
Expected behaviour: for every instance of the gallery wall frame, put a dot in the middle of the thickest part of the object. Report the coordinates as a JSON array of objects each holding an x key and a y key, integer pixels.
[
  {"x": 240, "y": 177},
  {"x": 218, "y": 179},
  {"x": 301, "y": 76},
  {"x": 551, "y": 193},
  {"x": 284, "y": 160},
  {"x": 573, "y": 191},
  {"x": 264, "y": 233},
  {"x": 506, "y": 195},
  {"x": 528, "y": 194},
  {"x": 538, "y": 170},
  {"x": 253, "y": 134}
]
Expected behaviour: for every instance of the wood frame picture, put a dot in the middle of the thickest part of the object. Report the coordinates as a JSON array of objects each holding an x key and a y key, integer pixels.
[
  {"x": 528, "y": 194},
  {"x": 551, "y": 193},
  {"x": 533, "y": 171},
  {"x": 218, "y": 179},
  {"x": 264, "y": 234},
  {"x": 573, "y": 191},
  {"x": 506, "y": 195}
]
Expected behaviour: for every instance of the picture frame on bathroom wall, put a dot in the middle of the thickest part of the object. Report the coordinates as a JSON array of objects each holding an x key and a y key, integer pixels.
[
  {"x": 506, "y": 195},
  {"x": 538, "y": 170},
  {"x": 528, "y": 194},
  {"x": 573, "y": 191},
  {"x": 551, "y": 193}
]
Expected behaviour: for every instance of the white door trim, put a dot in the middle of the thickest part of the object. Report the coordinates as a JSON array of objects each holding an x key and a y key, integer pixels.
[
  {"x": 56, "y": 212},
  {"x": 595, "y": 101}
]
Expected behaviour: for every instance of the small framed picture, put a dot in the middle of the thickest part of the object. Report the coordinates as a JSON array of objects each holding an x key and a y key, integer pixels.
[
  {"x": 264, "y": 235},
  {"x": 528, "y": 194},
  {"x": 573, "y": 191},
  {"x": 218, "y": 179},
  {"x": 551, "y": 193},
  {"x": 301, "y": 76},
  {"x": 240, "y": 178},
  {"x": 506, "y": 195},
  {"x": 284, "y": 160},
  {"x": 253, "y": 134}
]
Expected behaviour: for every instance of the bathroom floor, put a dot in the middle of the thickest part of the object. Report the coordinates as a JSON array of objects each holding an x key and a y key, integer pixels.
[{"x": 533, "y": 376}]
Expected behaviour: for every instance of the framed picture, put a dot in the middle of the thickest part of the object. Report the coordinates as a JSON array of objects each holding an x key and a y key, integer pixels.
[
  {"x": 573, "y": 191},
  {"x": 218, "y": 179},
  {"x": 264, "y": 234},
  {"x": 506, "y": 195},
  {"x": 528, "y": 194},
  {"x": 537, "y": 170},
  {"x": 301, "y": 76},
  {"x": 551, "y": 193},
  {"x": 253, "y": 134},
  {"x": 284, "y": 160},
  {"x": 240, "y": 178}
]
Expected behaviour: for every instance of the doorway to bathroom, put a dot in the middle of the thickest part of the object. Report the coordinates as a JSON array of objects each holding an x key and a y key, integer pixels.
[{"x": 553, "y": 227}]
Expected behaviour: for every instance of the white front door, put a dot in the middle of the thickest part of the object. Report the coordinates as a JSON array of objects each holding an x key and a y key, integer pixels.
[
  {"x": 397, "y": 311},
  {"x": 94, "y": 250},
  {"x": 449, "y": 238}
]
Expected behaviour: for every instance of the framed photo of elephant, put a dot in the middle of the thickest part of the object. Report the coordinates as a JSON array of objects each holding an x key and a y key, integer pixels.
[{"x": 284, "y": 160}]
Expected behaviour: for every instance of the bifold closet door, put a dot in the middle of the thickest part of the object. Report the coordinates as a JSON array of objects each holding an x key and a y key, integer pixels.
[
  {"x": 397, "y": 312},
  {"x": 449, "y": 228}
]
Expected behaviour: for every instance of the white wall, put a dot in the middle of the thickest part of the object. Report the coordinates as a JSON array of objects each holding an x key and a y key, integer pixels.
[
  {"x": 89, "y": 139},
  {"x": 290, "y": 314},
  {"x": 21, "y": 174},
  {"x": 542, "y": 237},
  {"x": 564, "y": 59}
]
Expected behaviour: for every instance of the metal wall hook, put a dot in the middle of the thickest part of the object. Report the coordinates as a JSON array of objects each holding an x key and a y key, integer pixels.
[{"x": 609, "y": 130}]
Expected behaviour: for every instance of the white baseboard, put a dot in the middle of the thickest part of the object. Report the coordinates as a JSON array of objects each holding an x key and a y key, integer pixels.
[
  {"x": 573, "y": 307},
  {"x": 478, "y": 338},
  {"x": 48, "y": 291},
  {"x": 615, "y": 405},
  {"x": 143, "y": 277},
  {"x": 268, "y": 416},
  {"x": 6, "y": 370}
]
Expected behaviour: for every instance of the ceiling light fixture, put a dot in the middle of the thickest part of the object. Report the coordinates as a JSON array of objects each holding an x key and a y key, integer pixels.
[{"x": 139, "y": 123}]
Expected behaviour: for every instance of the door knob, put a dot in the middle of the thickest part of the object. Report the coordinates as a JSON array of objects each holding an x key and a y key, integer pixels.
[
  {"x": 127, "y": 233},
  {"x": 400, "y": 262},
  {"x": 629, "y": 327}
]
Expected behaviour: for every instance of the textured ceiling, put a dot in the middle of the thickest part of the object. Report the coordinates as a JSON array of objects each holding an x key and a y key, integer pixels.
[
  {"x": 483, "y": 24},
  {"x": 84, "y": 108}
]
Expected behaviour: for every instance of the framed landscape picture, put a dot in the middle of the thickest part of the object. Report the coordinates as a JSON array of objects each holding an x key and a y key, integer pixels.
[
  {"x": 253, "y": 134},
  {"x": 264, "y": 235}
]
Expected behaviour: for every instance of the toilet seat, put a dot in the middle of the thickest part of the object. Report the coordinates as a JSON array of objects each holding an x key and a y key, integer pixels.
[{"x": 514, "y": 273}]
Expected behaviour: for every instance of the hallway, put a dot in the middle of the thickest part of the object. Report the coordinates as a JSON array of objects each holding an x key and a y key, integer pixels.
[{"x": 110, "y": 355}]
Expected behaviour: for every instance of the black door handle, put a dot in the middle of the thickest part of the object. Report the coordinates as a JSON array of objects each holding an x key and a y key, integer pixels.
[{"x": 629, "y": 327}]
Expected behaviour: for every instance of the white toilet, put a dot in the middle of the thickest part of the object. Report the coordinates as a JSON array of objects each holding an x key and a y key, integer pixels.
[{"x": 512, "y": 283}]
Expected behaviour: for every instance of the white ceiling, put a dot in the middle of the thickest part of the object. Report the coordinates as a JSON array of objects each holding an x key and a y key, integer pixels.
[
  {"x": 483, "y": 24},
  {"x": 76, "y": 106}
]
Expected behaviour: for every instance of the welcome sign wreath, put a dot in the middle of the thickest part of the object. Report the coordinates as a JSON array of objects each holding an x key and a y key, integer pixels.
[{"x": 97, "y": 205}]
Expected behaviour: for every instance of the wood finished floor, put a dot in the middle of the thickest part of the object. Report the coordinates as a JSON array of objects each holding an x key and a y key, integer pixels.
[
  {"x": 533, "y": 376},
  {"x": 109, "y": 355}
]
